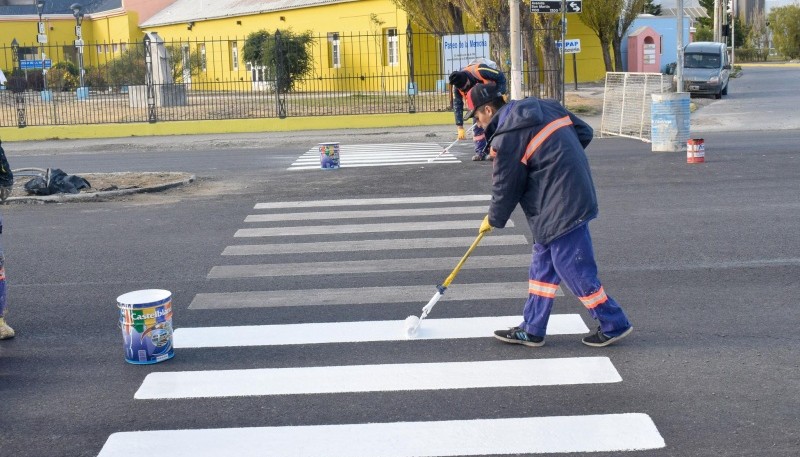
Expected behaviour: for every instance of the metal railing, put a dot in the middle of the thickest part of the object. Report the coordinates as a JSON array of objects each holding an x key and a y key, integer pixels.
[{"x": 208, "y": 79}]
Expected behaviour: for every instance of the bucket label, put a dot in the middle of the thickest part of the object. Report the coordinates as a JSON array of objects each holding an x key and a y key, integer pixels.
[{"x": 147, "y": 333}]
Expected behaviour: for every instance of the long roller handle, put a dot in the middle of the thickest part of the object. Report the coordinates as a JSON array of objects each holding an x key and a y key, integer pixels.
[{"x": 452, "y": 276}]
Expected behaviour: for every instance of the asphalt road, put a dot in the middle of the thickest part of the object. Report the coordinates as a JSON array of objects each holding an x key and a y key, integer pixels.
[{"x": 704, "y": 258}]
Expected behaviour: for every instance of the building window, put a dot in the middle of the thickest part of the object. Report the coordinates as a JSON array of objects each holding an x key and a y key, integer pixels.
[
  {"x": 99, "y": 48},
  {"x": 334, "y": 50},
  {"x": 234, "y": 55},
  {"x": 124, "y": 47},
  {"x": 392, "y": 48},
  {"x": 202, "y": 48},
  {"x": 115, "y": 48}
]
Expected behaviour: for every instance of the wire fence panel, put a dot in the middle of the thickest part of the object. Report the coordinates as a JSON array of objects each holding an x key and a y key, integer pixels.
[
  {"x": 388, "y": 71},
  {"x": 627, "y": 101}
]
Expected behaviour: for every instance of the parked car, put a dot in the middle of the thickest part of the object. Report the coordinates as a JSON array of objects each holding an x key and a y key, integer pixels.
[{"x": 706, "y": 68}]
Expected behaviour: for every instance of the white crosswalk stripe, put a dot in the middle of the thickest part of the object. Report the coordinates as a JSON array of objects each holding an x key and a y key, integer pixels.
[
  {"x": 360, "y": 332},
  {"x": 517, "y": 435},
  {"x": 375, "y": 155},
  {"x": 281, "y": 226}
]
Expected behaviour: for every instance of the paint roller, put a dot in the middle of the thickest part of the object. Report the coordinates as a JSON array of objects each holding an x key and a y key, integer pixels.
[{"x": 412, "y": 323}]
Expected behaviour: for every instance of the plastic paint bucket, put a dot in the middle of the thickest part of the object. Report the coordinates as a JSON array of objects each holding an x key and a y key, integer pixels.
[
  {"x": 695, "y": 151},
  {"x": 669, "y": 123},
  {"x": 329, "y": 156},
  {"x": 145, "y": 317}
]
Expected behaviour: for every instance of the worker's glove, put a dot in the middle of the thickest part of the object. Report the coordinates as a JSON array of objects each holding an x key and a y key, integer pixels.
[
  {"x": 461, "y": 133},
  {"x": 486, "y": 227},
  {"x": 5, "y": 192},
  {"x": 506, "y": 98}
]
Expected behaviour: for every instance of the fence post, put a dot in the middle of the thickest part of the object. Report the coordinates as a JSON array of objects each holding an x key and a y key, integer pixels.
[
  {"x": 19, "y": 100},
  {"x": 148, "y": 81},
  {"x": 280, "y": 77},
  {"x": 412, "y": 88}
]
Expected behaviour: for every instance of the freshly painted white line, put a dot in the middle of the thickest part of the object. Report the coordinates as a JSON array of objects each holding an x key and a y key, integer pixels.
[
  {"x": 372, "y": 245},
  {"x": 316, "y": 215},
  {"x": 359, "y": 332},
  {"x": 374, "y": 201},
  {"x": 377, "y": 378},
  {"x": 341, "y": 267},
  {"x": 439, "y": 161},
  {"x": 360, "y": 296},
  {"x": 517, "y": 435},
  {"x": 361, "y": 228}
]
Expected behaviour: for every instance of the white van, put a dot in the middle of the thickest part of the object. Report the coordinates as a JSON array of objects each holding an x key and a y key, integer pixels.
[{"x": 706, "y": 68}]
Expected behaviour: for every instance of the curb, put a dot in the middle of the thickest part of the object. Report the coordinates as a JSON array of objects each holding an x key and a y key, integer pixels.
[{"x": 61, "y": 198}]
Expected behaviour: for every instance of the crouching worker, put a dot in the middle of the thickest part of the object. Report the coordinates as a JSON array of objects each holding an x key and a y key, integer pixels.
[{"x": 540, "y": 164}]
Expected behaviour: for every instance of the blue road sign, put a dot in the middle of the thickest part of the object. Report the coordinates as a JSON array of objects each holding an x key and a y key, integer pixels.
[{"x": 34, "y": 64}]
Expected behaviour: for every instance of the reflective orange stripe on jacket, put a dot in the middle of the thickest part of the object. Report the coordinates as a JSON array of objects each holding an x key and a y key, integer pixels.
[
  {"x": 542, "y": 289},
  {"x": 594, "y": 300},
  {"x": 543, "y": 135}
]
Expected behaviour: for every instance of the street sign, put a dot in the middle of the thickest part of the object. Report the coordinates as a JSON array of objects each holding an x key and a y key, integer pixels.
[
  {"x": 572, "y": 47},
  {"x": 545, "y": 6},
  {"x": 27, "y": 64},
  {"x": 574, "y": 6},
  {"x": 41, "y": 38},
  {"x": 554, "y": 6}
]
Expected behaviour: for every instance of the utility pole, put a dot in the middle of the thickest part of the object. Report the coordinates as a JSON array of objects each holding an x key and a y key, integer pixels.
[
  {"x": 515, "y": 38},
  {"x": 679, "y": 64},
  {"x": 716, "y": 21}
]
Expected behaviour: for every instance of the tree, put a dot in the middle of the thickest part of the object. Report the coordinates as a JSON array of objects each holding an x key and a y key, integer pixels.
[
  {"x": 285, "y": 55},
  {"x": 651, "y": 8},
  {"x": 610, "y": 21},
  {"x": 130, "y": 69},
  {"x": 784, "y": 22},
  {"x": 440, "y": 17}
]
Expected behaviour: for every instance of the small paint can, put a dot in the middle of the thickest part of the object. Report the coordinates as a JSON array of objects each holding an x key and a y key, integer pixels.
[
  {"x": 329, "y": 156},
  {"x": 145, "y": 317},
  {"x": 695, "y": 150}
]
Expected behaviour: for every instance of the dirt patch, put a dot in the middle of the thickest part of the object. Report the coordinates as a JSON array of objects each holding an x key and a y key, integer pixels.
[{"x": 109, "y": 182}]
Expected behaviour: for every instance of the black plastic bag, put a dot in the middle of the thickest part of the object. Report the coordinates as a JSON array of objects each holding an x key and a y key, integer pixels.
[
  {"x": 6, "y": 176},
  {"x": 59, "y": 182}
]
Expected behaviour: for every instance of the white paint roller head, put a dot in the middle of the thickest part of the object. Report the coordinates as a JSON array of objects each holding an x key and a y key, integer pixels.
[{"x": 411, "y": 326}]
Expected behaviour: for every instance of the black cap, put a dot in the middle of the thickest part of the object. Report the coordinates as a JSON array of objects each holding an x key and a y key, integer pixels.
[
  {"x": 458, "y": 79},
  {"x": 480, "y": 95}
]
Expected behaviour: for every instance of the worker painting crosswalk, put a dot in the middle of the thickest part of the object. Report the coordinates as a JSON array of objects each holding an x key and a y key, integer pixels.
[
  {"x": 379, "y": 155},
  {"x": 280, "y": 241}
]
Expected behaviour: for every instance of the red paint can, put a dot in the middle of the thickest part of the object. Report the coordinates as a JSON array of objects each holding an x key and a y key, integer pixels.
[{"x": 695, "y": 150}]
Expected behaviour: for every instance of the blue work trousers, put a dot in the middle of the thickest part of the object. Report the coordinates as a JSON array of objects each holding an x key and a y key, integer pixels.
[
  {"x": 479, "y": 138},
  {"x": 569, "y": 258}
]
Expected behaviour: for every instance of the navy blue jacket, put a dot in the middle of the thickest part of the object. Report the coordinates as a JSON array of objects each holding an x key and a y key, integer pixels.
[{"x": 540, "y": 164}]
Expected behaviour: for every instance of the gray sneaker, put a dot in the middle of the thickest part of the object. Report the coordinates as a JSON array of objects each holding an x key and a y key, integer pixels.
[
  {"x": 600, "y": 339},
  {"x": 516, "y": 335}
]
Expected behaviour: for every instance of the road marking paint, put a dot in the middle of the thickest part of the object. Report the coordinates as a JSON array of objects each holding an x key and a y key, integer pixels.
[
  {"x": 377, "y": 378},
  {"x": 374, "y": 201},
  {"x": 358, "y": 296},
  {"x": 360, "y": 228},
  {"x": 362, "y": 155},
  {"x": 317, "y": 215},
  {"x": 341, "y": 267},
  {"x": 372, "y": 245},
  {"x": 516, "y": 435},
  {"x": 360, "y": 332}
]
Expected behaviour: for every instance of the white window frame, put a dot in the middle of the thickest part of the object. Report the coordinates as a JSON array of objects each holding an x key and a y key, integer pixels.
[
  {"x": 234, "y": 56},
  {"x": 335, "y": 49},
  {"x": 392, "y": 47},
  {"x": 202, "y": 48}
]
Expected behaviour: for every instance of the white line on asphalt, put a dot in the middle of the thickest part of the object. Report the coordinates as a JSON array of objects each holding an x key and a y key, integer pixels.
[
  {"x": 516, "y": 435},
  {"x": 316, "y": 215},
  {"x": 341, "y": 267},
  {"x": 377, "y": 378},
  {"x": 360, "y": 332},
  {"x": 361, "y": 228},
  {"x": 441, "y": 160},
  {"x": 359, "y": 296},
  {"x": 374, "y": 201},
  {"x": 372, "y": 245}
]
